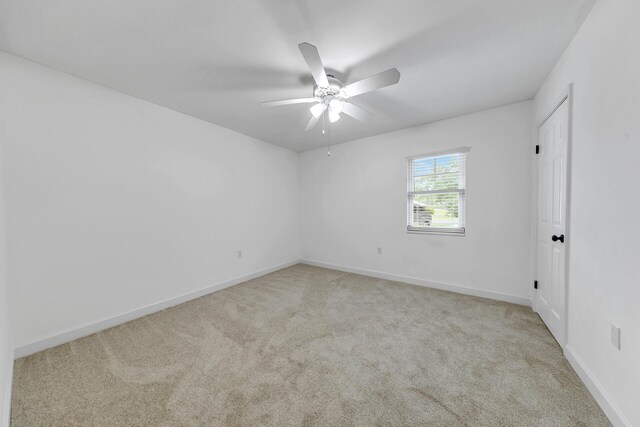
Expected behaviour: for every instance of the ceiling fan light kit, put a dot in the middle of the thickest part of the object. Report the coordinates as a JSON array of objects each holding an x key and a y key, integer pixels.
[
  {"x": 317, "y": 109},
  {"x": 330, "y": 95}
]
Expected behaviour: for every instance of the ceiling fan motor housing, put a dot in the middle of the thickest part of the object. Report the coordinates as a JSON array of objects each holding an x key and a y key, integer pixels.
[{"x": 334, "y": 90}]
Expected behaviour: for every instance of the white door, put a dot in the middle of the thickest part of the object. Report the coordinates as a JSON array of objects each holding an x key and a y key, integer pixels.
[{"x": 551, "y": 294}]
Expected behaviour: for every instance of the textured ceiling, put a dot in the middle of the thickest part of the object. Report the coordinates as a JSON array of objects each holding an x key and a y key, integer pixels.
[{"x": 217, "y": 60}]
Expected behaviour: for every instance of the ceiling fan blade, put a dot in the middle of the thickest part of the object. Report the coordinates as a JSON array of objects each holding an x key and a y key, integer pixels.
[
  {"x": 312, "y": 57},
  {"x": 288, "y": 102},
  {"x": 377, "y": 81},
  {"x": 318, "y": 109},
  {"x": 356, "y": 112},
  {"x": 312, "y": 123}
]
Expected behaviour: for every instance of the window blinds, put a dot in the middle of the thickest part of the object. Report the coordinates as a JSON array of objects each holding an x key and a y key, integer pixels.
[{"x": 437, "y": 192}]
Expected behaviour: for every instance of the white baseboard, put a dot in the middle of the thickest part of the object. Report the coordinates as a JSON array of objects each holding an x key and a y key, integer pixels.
[
  {"x": 426, "y": 283},
  {"x": 5, "y": 414},
  {"x": 595, "y": 388},
  {"x": 82, "y": 331}
]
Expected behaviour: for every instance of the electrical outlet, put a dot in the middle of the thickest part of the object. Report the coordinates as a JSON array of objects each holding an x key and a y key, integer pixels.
[
  {"x": 239, "y": 254},
  {"x": 379, "y": 251},
  {"x": 615, "y": 335}
]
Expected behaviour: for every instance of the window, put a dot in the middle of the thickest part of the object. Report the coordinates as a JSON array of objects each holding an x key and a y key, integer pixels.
[{"x": 437, "y": 192}]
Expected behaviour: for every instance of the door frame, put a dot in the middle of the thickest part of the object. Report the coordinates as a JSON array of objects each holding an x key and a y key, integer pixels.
[{"x": 565, "y": 96}]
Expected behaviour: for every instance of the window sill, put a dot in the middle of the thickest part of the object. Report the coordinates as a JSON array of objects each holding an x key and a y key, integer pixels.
[{"x": 438, "y": 232}]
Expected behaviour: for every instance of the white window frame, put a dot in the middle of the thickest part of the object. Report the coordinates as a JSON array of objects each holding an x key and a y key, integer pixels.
[{"x": 453, "y": 231}]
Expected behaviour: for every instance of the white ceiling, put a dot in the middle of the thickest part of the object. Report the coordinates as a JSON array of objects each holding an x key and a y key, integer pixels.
[{"x": 218, "y": 59}]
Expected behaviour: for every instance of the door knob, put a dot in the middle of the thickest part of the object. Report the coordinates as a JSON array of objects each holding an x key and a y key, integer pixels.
[{"x": 556, "y": 238}]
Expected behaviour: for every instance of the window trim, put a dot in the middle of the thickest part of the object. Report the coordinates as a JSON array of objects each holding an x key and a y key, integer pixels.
[
  {"x": 457, "y": 231},
  {"x": 441, "y": 153}
]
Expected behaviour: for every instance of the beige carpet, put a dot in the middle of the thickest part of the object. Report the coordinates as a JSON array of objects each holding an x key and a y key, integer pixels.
[{"x": 308, "y": 346}]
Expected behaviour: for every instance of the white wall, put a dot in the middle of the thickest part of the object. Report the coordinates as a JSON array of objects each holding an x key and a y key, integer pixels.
[
  {"x": 6, "y": 347},
  {"x": 114, "y": 203},
  {"x": 603, "y": 62},
  {"x": 355, "y": 201},
  {"x": 6, "y": 344}
]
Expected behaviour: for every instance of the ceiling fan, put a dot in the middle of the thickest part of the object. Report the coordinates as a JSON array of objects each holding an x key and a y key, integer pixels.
[{"x": 330, "y": 95}]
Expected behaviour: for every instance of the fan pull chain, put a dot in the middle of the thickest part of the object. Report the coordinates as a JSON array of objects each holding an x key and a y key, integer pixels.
[{"x": 328, "y": 136}]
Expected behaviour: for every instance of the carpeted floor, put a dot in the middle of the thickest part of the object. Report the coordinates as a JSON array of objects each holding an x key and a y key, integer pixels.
[{"x": 308, "y": 346}]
